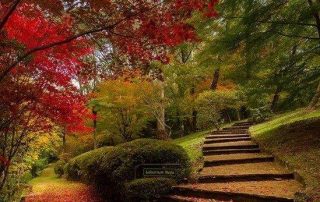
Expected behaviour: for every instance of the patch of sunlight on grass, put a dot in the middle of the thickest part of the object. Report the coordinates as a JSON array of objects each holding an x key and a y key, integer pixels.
[{"x": 284, "y": 119}]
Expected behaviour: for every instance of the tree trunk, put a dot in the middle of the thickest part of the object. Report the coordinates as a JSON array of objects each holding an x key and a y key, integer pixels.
[
  {"x": 215, "y": 79},
  {"x": 275, "y": 99},
  {"x": 194, "y": 114},
  {"x": 315, "y": 100},
  {"x": 161, "y": 122},
  {"x": 95, "y": 113},
  {"x": 64, "y": 141}
]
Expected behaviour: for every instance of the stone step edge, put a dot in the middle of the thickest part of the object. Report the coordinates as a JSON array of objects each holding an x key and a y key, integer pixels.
[
  {"x": 222, "y": 140},
  {"x": 206, "y": 148},
  {"x": 238, "y": 161},
  {"x": 221, "y": 195},
  {"x": 229, "y": 151},
  {"x": 245, "y": 177},
  {"x": 210, "y": 137}
]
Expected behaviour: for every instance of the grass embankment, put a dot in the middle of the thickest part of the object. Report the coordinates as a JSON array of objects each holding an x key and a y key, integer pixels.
[
  {"x": 295, "y": 139},
  {"x": 48, "y": 187}
]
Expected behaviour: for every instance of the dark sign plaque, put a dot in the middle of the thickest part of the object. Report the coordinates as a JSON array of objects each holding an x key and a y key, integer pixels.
[{"x": 157, "y": 170}]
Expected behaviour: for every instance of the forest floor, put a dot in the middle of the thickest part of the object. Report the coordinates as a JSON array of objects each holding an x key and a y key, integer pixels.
[
  {"x": 49, "y": 187},
  {"x": 294, "y": 138}
]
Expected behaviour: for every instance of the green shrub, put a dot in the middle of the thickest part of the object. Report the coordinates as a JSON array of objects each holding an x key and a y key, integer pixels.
[
  {"x": 118, "y": 167},
  {"x": 261, "y": 114},
  {"x": 38, "y": 166},
  {"x": 109, "y": 140},
  {"x": 83, "y": 166},
  {"x": 148, "y": 189},
  {"x": 59, "y": 167}
]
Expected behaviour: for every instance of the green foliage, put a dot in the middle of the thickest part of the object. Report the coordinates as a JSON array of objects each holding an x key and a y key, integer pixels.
[
  {"x": 211, "y": 103},
  {"x": 148, "y": 189},
  {"x": 126, "y": 106},
  {"x": 104, "y": 140},
  {"x": 59, "y": 167},
  {"x": 261, "y": 114},
  {"x": 84, "y": 166},
  {"x": 38, "y": 166},
  {"x": 118, "y": 167}
]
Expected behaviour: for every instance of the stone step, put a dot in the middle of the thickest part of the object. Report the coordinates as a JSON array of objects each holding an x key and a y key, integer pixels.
[
  {"x": 230, "y": 151},
  {"x": 245, "y": 169},
  {"x": 217, "y": 140},
  {"x": 230, "y": 132},
  {"x": 228, "y": 159},
  {"x": 227, "y": 136},
  {"x": 237, "y": 128},
  {"x": 244, "y": 177},
  {"x": 177, "y": 198},
  {"x": 253, "y": 191},
  {"x": 243, "y": 124},
  {"x": 230, "y": 145}
]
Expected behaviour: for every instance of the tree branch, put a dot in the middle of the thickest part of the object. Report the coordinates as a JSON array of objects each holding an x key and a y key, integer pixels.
[
  {"x": 9, "y": 13},
  {"x": 67, "y": 40},
  {"x": 297, "y": 36}
]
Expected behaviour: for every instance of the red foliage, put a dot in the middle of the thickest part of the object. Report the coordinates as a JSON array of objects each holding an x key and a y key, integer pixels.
[{"x": 83, "y": 194}]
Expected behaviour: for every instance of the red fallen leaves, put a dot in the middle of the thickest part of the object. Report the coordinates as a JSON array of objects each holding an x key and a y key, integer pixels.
[{"x": 83, "y": 194}]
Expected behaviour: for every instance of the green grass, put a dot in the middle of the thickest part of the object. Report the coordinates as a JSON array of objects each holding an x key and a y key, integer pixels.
[
  {"x": 284, "y": 119},
  {"x": 294, "y": 138},
  {"x": 192, "y": 144},
  {"x": 48, "y": 180}
]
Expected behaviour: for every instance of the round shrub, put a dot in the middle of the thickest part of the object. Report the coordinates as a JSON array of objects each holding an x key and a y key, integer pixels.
[
  {"x": 59, "y": 167},
  {"x": 118, "y": 167},
  {"x": 148, "y": 189},
  {"x": 83, "y": 166}
]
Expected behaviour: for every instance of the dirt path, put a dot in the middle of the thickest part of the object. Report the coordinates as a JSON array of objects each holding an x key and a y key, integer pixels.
[
  {"x": 236, "y": 170},
  {"x": 49, "y": 188}
]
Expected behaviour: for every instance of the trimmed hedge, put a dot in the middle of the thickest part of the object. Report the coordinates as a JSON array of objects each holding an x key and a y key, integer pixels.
[
  {"x": 118, "y": 167},
  {"x": 148, "y": 189},
  {"x": 83, "y": 166},
  {"x": 59, "y": 167}
]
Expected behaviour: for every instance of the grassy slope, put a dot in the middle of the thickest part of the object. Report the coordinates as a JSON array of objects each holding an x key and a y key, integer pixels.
[{"x": 294, "y": 138}]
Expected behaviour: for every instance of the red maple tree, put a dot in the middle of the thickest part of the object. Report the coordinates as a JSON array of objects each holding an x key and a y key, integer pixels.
[{"x": 42, "y": 46}]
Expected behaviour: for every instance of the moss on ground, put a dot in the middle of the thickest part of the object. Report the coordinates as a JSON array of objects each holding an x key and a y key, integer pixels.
[{"x": 295, "y": 139}]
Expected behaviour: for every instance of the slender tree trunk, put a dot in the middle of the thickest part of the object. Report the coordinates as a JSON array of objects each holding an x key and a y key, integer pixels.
[
  {"x": 161, "y": 122},
  {"x": 315, "y": 100},
  {"x": 95, "y": 113},
  {"x": 194, "y": 114},
  {"x": 275, "y": 99},
  {"x": 64, "y": 141},
  {"x": 215, "y": 79},
  {"x": 238, "y": 115}
]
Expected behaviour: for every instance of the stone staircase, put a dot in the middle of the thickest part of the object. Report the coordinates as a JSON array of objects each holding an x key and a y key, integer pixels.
[{"x": 236, "y": 170}]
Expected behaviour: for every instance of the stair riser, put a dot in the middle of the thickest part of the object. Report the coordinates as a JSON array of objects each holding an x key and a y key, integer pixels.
[
  {"x": 240, "y": 161},
  {"x": 237, "y": 128},
  {"x": 231, "y": 132},
  {"x": 209, "y": 153},
  {"x": 226, "y": 140},
  {"x": 223, "y": 196},
  {"x": 231, "y": 147},
  {"x": 226, "y": 136},
  {"x": 244, "y": 178}
]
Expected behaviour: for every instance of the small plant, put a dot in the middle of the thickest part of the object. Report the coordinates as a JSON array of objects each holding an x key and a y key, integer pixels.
[{"x": 261, "y": 114}]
